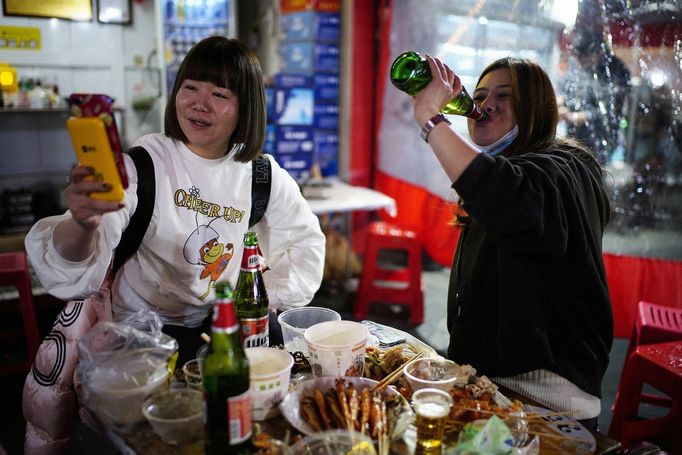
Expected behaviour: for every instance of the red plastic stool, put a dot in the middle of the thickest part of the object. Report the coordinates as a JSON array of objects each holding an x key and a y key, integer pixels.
[
  {"x": 655, "y": 324},
  {"x": 14, "y": 272},
  {"x": 660, "y": 366},
  {"x": 402, "y": 286}
]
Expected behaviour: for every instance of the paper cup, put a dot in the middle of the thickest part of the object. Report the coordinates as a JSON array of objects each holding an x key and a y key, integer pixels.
[
  {"x": 295, "y": 321},
  {"x": 337, "y": 348},
  {"x": 269, "y": 371}
]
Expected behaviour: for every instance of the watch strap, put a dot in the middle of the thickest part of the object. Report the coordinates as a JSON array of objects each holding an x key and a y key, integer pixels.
[{"x": 431, "y": 124}]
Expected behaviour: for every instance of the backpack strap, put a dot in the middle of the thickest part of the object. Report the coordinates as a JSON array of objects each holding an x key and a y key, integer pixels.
[
  {"x": 146, "y": 193},
  {"x": 261, "y": 181}
]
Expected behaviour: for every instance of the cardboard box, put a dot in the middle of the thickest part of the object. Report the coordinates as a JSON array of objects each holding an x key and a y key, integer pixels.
[
  {"x": 292, "y": 106},
  {"x": 297, "y": 164},
  {"x": 325, "y": 85},
  {"x": 327, "y": 151},
  {"x": 289, "y": 6},
  {"x": 326, "y": 116},
  {"x": 308, "y": 58},
  {"x": 294, "y": 139},
  {"x": 270, "y": 139},
  {"x": 310, "y": 26}
]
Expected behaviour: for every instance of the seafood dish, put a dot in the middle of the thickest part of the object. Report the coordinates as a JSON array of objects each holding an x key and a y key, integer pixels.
[{"x": 347, "y": 402}]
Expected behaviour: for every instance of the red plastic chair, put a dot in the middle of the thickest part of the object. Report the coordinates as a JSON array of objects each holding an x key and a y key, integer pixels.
[
  {"x": 402, "y": 285},
  {"x": 14, "y": 272},
  {"x": 660, "y": 366}
]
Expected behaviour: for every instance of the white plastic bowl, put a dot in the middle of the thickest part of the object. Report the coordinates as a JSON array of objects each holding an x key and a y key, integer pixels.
[{"x": 269, "y": 372}]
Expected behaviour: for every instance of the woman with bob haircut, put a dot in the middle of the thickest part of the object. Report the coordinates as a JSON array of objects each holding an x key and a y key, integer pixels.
[
  {"x": 214, "y": 128},
  {"x": 528, "y": 302}
]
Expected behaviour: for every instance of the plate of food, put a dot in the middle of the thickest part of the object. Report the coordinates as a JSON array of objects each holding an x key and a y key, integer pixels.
[{"x": 327, "y": 403}]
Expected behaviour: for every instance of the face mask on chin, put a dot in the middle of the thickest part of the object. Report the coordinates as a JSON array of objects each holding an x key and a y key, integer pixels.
[{"x": 499, "y": 145}]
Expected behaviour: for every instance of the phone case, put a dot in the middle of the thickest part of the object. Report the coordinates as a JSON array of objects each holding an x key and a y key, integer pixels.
[
  {"x": 91, "y": 144},
  {"x": 101, "y": 106}
]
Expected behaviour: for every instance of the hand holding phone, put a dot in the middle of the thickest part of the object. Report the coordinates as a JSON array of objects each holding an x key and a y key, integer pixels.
[{"x": 91, "y": 144}]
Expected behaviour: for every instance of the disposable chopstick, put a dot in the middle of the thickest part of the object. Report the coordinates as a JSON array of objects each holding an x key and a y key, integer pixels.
[
  {"x": 395, "y": 374},
  {"x": 505, "y": 413}
]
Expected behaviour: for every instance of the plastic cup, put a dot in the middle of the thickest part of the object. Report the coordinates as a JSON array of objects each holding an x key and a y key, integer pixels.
[
  {"x": 432, "y": 407},
  {"x": 337, "y": 348},
  {"x": 295, "y": 321},
  {"x": 192, "y": 371}
]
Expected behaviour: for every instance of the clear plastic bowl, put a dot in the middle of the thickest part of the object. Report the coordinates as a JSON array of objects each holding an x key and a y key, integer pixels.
[
  {"x": 334, "y": 442},
  {"x": 177, "y": 415},
  {"x": 430, "y": 372}
]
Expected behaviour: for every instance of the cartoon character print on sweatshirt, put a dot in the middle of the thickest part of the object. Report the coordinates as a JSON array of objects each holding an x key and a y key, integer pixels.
[{"x": 202, "y": 246}]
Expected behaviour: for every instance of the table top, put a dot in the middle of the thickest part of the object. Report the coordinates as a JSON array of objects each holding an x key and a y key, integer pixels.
[
  {"x": 333, "y": 195},
  {"x": 142, "y": 439}
]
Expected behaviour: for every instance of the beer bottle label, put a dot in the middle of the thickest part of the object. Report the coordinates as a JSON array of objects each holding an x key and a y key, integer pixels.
[
  {"x": 255, "y": 332},
  {"x": 250, "y": 259},
  {"x": 224, "y": 319},
  {"x": 239, "y": 409}
]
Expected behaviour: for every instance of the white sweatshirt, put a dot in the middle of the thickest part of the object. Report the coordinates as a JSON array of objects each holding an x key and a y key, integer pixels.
[{"x": 195, "y": 236}]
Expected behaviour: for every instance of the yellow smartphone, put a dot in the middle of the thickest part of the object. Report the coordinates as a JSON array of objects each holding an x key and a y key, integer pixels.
[{"x": 91, "y": 144}]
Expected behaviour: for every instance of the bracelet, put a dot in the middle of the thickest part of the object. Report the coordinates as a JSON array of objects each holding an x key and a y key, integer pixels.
[{"x": 431, "y": 124}]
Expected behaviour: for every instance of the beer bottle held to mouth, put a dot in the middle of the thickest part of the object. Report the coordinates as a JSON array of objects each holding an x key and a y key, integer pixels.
[
  {"x": 250, "y": 298},
  {"x": 225, "y": 375},
  {"x": 410, "y": 73}
]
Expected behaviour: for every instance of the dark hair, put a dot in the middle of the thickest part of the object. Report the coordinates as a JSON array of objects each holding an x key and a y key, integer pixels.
[
  {"x": 536, "y": 111},
  {"x": 534, "y": 104},
  {"x": 230, "y": 64}
]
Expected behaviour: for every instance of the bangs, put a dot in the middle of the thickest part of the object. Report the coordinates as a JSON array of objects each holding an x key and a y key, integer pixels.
[{"x": 214, "y": 64}]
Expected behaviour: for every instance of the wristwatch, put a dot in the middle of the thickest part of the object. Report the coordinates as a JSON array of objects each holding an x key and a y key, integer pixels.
[{"x": 431, "y": 124}]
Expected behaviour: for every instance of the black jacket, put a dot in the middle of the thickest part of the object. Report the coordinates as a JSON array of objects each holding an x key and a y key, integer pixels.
[{"x": 528, "y": 288}]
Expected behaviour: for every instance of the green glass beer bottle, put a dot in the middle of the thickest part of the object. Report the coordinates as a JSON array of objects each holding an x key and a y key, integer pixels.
[
  {"x": 225, "y": 372},
  {"x": 250, "y": 298},
  {"x": 410, "y": 73}
]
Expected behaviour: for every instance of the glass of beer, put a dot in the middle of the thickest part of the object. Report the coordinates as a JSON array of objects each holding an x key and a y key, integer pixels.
[{"x": 432, "y": 407}]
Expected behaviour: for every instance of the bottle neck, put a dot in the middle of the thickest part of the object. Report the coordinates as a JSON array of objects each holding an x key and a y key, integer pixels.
[{"x": 224, "y": 317}]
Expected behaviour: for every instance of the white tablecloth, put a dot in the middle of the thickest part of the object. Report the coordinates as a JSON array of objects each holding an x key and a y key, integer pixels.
[{"x": 336, "y": 196}]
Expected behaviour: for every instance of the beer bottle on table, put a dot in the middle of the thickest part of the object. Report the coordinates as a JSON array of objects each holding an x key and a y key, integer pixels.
[
  {"x": 250, "y": 298},
  {"x": 410, "y": 73},
  {"x": 225, "y": 371}
]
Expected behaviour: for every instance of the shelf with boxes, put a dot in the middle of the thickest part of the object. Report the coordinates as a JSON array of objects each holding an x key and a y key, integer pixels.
[{"x": 303, "y": 99}]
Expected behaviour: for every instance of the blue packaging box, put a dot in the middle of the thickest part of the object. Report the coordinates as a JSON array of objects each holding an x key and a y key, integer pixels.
[
  {"x": 294, "y": 139},
  {"x": 309, "y": 58},
  {"x": 292, "y": 106},
  {"x": 327, "y": 151},
  {"x": 326, "y": 116},
  {"x": 270, "y": 139},
  {"x": 310, "y": 26},
  {"x": 297, "y": 164},
  {"x": 325, "y": 85}
]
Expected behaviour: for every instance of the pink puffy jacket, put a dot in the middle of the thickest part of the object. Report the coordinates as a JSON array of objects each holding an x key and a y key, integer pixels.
[{"x": 49, "y": 400}]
